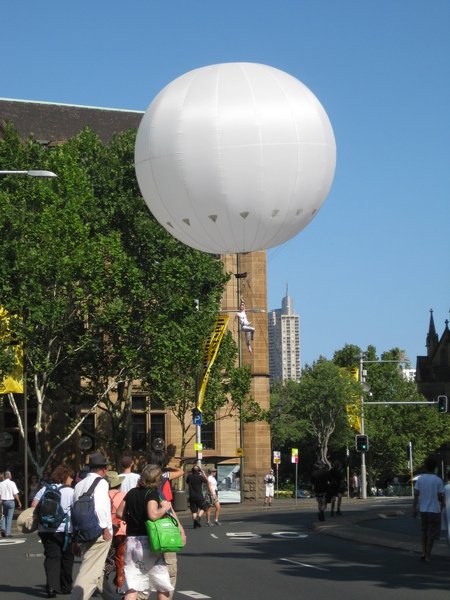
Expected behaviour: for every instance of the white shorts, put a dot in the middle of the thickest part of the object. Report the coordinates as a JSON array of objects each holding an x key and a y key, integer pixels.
[
  {"x": 269, "y": 490},
  {"x": 145, "y": 571}
]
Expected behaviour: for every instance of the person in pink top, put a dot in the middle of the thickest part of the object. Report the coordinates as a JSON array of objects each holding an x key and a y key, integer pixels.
[{"x": 119, "y": 542}]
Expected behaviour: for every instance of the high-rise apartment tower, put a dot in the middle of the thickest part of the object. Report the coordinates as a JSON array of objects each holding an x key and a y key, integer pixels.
[{"x": 284, "y": 342}]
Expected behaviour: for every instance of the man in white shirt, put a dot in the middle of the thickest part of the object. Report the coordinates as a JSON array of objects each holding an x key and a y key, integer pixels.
[
  {"x": 94, "y": 553},
  {"x": 129, "y": 479},
  {"x": 9, "y": 495},
  {"x": 429, "y": 495}
]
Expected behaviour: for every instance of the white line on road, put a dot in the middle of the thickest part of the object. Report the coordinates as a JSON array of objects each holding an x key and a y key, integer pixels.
[
  {"x": 192, "y": 594},
  {"x": 289, "y": 534},
  {"x": 295, "y": 562},
  {"x": 10, "y": 542},
  {"x": 242, "y": 535}
]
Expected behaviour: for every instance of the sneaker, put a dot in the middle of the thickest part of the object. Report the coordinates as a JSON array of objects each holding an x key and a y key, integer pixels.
[
  {"x": 195, "y": 524},
  {"x": 209, "y": 524},
  {"x": 338, "y": 512},
  {"x": 217, "y": 523},
  {"x": 198, "y": 522}
]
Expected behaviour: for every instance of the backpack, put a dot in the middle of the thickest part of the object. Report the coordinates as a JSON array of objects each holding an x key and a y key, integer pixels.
[
  {"x": 49, "y": 510},
  {"x": 84, "y": 518}
]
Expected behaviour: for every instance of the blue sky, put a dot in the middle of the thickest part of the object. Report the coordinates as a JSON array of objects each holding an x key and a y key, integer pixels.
[{"x": 376, "y": 258}]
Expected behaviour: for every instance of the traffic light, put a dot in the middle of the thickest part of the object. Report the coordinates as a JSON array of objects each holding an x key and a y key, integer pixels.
[
  {"x": 442, "y": 402},
  {"x": 361, "y": 443}
]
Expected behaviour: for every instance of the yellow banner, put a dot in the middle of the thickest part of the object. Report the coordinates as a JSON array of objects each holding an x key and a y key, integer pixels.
[
  {"x": 353, "y": 416},
  {"x": 14, "y": 382},
  {"x": 209, "y": 354},
  {"x": 353, "y": 410}
]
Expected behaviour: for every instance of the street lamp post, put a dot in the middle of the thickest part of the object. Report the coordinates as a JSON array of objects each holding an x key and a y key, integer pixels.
[
  {"x": 38, "y": 173},
  {"x": 31, "y": 173}
]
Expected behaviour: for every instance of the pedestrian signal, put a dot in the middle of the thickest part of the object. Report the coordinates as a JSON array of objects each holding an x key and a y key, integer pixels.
[
  {"x": 361, "y": 443},
  {"x": 442, "y": 404}
]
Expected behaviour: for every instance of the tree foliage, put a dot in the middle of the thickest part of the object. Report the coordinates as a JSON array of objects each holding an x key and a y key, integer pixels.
[
  {"x": 106, "y": 293},
  {"x": 312, "y": 415}
]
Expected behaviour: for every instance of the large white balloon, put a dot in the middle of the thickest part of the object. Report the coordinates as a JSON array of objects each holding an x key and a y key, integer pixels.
[{"x": 235, "y": 157}]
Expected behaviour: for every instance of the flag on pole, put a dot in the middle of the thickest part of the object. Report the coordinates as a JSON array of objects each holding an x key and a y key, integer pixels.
[
  {"x": 354, "y": 409},
  {"x": 209, "y": 354},
  {"x": 13, "y": 383}
]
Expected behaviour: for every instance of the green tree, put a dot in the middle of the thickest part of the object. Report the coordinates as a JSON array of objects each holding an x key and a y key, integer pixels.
[
  {"x": 391, "y": 427},
  {"x": 107, "y": 294},
  {"x": 313, "y": 409}
]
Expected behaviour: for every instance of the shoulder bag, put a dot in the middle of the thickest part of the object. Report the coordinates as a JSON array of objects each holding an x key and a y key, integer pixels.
[{"x": 164, "y": 535}]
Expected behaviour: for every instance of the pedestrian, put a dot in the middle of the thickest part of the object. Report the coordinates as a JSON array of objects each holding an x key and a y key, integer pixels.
[
  {"x": 117, "y": 551},
  {"x": 320, "y": 483},
  {"x": 162, "y": 457},
  {"x": 446, "y": 512},
  {"x": 429, "y": 497},
  {"x": 57, "y": 541},
  {"x": 269, "y": 481},
  {"x": 197, "y": 505},
  {"x": 129, "y": 478},
  {"x": 94, "y": 553},
  {"x": 354, "y": 485},
  {"x": 337, "y": 488},
  {"x": 2, "y": 478},
  {"x": 33, "y": 488},
  {"x": 145, "y": 570},
  {"x": 213, "y": 489},
  {"x": 9, "y": 495}
]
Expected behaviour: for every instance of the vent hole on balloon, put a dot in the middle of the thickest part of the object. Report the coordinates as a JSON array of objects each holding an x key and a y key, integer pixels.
[
  {"x": 244, "y": 215},
  {"x": 213, "y": 218},
  {"x": 187, "y": 222},
  {"x": 275, "y": 212},
  {"x": 299, "y": 211}
]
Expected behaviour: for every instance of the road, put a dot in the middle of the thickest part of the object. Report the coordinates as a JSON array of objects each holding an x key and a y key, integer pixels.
[{"x": 268, "y": 554}]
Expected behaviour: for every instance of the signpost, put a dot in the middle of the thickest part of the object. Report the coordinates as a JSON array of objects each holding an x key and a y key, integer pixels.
[
  {"x": 294, "y": 460},
  {"x": 276, "y": 462}
]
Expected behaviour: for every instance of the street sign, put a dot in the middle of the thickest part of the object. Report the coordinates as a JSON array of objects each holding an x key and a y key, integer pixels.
[
  {"x": 276, "y": 457},
  {"x": 294, "y": 457},
  {"x": 196, "y": 417}
]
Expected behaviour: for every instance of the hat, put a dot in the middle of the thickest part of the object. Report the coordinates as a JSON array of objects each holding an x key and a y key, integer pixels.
[
  {"x": 97, "y": 460},
  {"x": 27, "y": 521},
  {"x": 113, "y": 479}
]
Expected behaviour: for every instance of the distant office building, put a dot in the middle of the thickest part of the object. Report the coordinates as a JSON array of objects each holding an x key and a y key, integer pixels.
[
  {"x": 284, "y": 342},
  {"x": 409, "y": 374}
]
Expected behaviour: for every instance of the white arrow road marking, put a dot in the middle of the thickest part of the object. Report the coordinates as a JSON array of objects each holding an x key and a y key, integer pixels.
[
  {"x": 289, "y": 534},
  {"x": 243, "y": 535},
  {"x": 192, "y": 594},
  {"x": 295, "y": 562}
]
